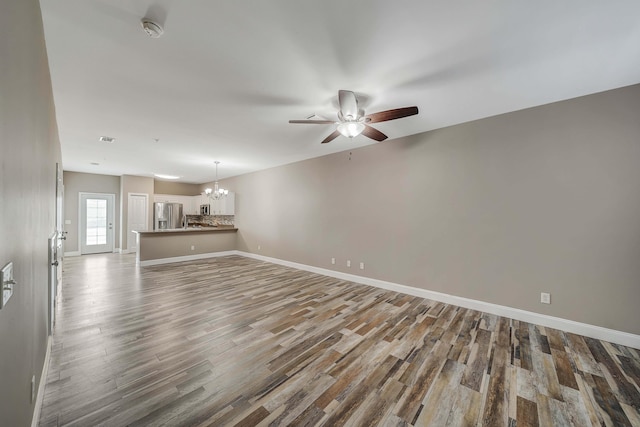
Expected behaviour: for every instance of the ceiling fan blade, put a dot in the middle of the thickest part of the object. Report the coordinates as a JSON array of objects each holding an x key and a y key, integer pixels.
[
  {"x": 331, "y": 137},
  {"x": 348, "y": 105},
  {"x": 372, "y": 133},
  {"x": 386, "y": 115},
  {"x": 315, "y": 122}
]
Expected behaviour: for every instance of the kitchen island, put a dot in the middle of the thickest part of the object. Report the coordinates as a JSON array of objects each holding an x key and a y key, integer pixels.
[{"x": 184, "y": 244}]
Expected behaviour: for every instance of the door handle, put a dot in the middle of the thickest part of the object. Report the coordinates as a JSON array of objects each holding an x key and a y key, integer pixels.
[{"x": 55, "y": 263}]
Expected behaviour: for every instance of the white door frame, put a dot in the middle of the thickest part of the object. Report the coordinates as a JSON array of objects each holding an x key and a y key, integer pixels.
[
  {"x": 146, "y": 218},
  {"x": 56, "y": 251},
  {"x": 113, "y": 216}
]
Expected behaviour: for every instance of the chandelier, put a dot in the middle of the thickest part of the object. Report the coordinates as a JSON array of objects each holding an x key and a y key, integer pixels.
[{"x": 217, "y": 193}]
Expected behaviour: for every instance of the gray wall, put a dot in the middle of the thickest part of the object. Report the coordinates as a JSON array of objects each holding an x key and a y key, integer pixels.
[
  {"x": 29, "y": 150},
  {"x": 74, "y": 184},
  {"x": 497, "y": 210},
  {"x": 176, "y": 188}
]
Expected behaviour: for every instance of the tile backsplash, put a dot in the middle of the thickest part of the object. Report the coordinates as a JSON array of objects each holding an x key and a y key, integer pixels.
[{"x": 210, "y": 220}]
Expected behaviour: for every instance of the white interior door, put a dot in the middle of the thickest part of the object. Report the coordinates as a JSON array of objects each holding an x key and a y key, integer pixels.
[
  {"x": 96, "y": 223},
  {"x": 138, "y": 218}
]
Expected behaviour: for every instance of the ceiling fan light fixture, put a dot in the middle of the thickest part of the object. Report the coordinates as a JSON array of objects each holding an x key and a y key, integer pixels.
[
  {"x": 350, "y": 129},
  {"x": 352, "y": 120}
]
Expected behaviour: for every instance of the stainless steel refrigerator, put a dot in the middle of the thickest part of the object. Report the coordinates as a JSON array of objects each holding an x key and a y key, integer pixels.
[{"x": 167, "y": 215}]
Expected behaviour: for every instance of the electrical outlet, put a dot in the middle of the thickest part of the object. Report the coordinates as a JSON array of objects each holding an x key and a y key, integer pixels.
[
  {"x": 545, "y": 298},
  {"x": 259, "y": 247},
  {"x": 362, "y": 266},
  {"x": 193, "y": 248},
  {"x": 348, "y": 263},
  {"x": 333, "y": 260}
]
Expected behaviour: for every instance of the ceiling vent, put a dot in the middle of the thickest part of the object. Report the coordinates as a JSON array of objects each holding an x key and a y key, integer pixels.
[
  {"x": 107, "y": 139},
  {"x": 153, "y": 29}
]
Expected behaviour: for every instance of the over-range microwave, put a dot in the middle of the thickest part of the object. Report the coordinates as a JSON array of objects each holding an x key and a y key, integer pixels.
[{"x": 205, "y": 209}]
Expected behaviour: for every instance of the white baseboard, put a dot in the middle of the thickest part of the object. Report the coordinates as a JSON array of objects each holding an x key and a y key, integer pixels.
[
  {"x": 72, "y": 253},
  {"x": 186, "y": 258},
  {"x": 41, "y": 385},
  {"x": 597, "y": 332},
  {"x": 593, "y": 331}
]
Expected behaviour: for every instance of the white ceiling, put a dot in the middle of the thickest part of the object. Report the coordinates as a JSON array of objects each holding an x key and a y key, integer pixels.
[{"x": 226, "y": 76}]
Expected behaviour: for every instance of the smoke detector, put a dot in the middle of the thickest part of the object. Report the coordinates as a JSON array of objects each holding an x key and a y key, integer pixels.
[{"x": 153, "y": 29}]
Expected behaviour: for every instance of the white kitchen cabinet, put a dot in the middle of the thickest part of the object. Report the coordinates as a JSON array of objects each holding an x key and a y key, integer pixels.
[
  {"x": 191, "y": 204},
  {"x": 194, "y": 208},
  {"x": 224, "y": 206},
  {"x": 230, "y": 204}
]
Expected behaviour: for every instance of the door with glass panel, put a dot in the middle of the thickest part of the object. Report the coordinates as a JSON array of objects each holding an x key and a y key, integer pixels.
[{"x": 96, "y": 223}]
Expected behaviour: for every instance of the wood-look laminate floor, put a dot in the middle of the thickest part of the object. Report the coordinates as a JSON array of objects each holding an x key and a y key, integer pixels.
[{"x": 234, "y": 341}]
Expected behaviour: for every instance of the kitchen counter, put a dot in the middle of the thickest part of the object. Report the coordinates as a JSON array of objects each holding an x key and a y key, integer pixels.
[
  {"x": 188, "y": 230},
  {"x": 184, "y": 244}
]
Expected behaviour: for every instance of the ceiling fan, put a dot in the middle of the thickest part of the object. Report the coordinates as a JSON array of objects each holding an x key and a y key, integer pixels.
[{"x": 353, "y": 122}]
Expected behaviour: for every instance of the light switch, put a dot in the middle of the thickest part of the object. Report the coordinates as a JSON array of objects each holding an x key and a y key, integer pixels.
[
  {"x": 67, "y": 222},
  {"x": 7, "y": 283}
]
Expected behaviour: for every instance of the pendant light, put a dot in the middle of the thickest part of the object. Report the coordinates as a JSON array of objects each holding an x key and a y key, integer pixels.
[{"x": 216, "y": 193}]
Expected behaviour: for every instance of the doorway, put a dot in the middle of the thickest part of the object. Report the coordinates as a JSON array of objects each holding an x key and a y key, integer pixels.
[
  {"x": 137, "y": 218},
  {"x": 96, "y": 223}
]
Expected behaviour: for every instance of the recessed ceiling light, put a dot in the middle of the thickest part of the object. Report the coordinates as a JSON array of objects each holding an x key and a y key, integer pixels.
[
  {"x": 106, "y": 139},
  {"x": 159, "y": 175}
]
